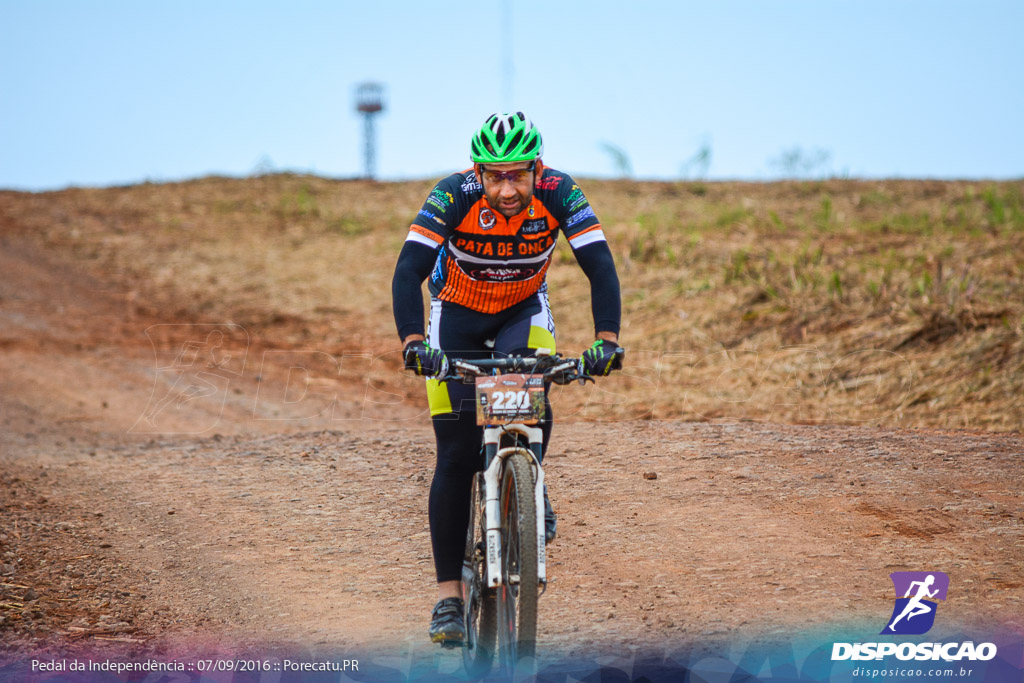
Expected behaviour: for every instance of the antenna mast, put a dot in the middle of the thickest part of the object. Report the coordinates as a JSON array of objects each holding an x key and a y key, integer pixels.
[{"x": 507, "y": 70}]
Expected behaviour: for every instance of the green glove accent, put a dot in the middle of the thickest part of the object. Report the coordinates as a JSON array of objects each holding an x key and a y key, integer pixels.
[
  {"x": 601, "y": 358},
  {"x": 423, "y": 360}
]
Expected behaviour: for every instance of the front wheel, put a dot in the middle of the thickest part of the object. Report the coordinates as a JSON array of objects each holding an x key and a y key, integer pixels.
[
  {"x": 517, "y": 596},
  {"x": 481, "y": 620}
]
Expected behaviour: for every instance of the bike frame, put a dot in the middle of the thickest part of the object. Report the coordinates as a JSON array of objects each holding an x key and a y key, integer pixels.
[
  {"x": 481, "y": 610},
  {"x": 495, "y": 462}
]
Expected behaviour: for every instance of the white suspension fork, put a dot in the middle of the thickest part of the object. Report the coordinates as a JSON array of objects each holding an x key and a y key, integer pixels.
[{"x": 492, "y": 506}]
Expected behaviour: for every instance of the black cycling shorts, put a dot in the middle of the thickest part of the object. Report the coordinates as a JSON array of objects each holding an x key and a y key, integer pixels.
[{"x": 464, "y": 333}]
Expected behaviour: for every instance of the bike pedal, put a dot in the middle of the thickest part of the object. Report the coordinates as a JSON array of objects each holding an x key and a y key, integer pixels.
[{"x": 451, "y": 644}]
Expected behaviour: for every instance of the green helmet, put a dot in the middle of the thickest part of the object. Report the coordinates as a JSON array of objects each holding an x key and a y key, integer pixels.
[{"x": 504, "y": 138}]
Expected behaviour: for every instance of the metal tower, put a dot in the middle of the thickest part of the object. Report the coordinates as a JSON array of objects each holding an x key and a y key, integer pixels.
[{"x": 369, "y": 103}]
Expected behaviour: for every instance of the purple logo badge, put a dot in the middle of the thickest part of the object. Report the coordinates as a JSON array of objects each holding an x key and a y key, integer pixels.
[{"x": 916, "y": 601}]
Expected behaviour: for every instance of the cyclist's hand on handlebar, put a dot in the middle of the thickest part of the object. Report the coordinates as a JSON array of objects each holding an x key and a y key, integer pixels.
[
  {"x": 601, "y": 358},
  {"x": 425, "y": 361}
]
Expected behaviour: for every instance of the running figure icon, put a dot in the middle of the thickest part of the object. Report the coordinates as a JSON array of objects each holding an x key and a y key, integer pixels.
[
  {"x": 917, "y": 595},
  {"x": 916, "y": 607},
  {"x": 209, "y": 358}
]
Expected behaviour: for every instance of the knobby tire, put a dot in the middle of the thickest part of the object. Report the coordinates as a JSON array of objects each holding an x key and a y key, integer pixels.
[
  {"x": 517, "y": 605},
  {"x": 482, "y": 617}
]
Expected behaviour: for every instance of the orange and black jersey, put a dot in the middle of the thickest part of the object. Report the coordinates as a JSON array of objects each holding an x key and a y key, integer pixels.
[
  {"x": 476, "y": 258},
  {"x": 486, "y": 262}
]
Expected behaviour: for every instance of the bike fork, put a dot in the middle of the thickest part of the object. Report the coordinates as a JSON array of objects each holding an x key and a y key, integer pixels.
[{"x": 492, "y": 505}]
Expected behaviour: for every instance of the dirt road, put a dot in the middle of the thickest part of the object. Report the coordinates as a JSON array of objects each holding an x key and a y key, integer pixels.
[{"x": 169, "y": 482}]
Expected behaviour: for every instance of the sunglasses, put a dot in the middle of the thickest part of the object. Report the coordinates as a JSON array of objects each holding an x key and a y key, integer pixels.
[{"x": 515, "y": 177}]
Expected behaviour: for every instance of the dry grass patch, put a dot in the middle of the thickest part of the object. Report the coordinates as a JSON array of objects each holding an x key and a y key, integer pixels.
[{"x": 898, "y": 303}]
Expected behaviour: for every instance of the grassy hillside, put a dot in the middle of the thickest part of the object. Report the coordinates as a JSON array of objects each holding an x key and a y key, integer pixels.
[{"x": 898, "y": 303}]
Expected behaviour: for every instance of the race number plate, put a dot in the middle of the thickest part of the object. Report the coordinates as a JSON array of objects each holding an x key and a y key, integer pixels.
[{"x": 509, "y": 398}]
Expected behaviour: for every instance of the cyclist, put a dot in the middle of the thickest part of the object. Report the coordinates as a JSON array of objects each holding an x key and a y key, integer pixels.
[{"x": 485, "y": 237}]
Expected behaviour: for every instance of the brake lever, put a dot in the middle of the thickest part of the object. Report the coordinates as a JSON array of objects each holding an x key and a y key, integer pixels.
[{"x": 459, "y": 377}]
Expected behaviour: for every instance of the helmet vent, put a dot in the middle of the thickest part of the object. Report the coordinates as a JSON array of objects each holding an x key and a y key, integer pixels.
[{"x": 515, "y": 139}]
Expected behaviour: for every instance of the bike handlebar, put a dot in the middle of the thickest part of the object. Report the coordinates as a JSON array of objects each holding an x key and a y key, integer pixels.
[{"x": 555, "y": 368}]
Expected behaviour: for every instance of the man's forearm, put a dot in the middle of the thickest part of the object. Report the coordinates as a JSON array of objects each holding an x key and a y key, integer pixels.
[
  {"x": 413, "y": 267},
  {"x": 605, "y": 297}
]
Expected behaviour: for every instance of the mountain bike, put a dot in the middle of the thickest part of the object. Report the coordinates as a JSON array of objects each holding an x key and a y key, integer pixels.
[{"x": 504, "y": 567}]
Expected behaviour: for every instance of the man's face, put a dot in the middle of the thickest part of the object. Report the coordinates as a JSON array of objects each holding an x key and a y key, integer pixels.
[{"x": 508, "y": 187}]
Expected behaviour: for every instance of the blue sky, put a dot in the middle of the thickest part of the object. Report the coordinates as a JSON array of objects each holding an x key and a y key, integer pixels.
[{"x": 109, "y": 92}]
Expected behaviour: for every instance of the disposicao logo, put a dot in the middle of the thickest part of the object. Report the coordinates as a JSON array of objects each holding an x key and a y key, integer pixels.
[{"x": 914, "y": 612}]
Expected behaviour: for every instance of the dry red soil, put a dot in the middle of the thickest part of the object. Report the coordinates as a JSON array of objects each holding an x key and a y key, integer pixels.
[{"x": 161, "y": 488}]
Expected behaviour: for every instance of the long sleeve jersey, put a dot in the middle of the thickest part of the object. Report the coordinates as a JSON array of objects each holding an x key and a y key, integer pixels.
[{"x": 484, "y": 261}]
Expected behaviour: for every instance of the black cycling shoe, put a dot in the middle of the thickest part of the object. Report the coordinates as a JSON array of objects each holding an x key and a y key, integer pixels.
[
  {"x": 447, "y": 623},
  {"x": 550, "y": 522}
]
